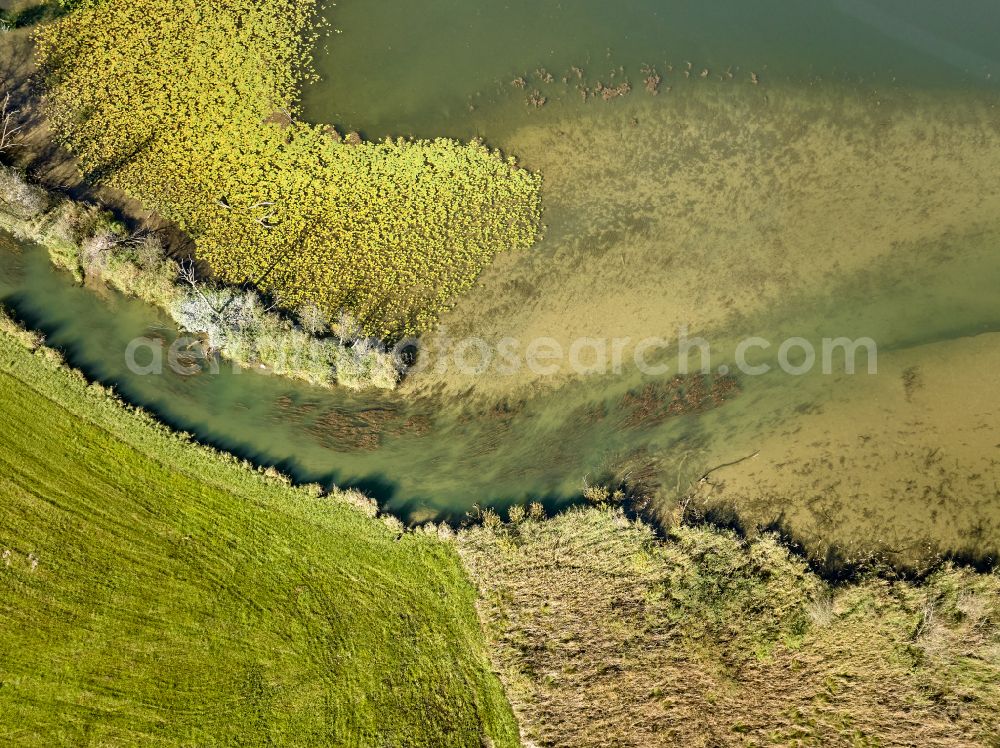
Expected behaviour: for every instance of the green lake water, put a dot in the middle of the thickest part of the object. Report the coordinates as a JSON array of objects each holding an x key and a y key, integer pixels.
[
  {"x": 444, "y": 68},
  {"x": 399, "y": 68}
]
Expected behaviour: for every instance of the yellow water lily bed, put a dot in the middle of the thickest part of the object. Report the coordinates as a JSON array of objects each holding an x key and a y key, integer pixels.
[{"x": 193, "y": 111}]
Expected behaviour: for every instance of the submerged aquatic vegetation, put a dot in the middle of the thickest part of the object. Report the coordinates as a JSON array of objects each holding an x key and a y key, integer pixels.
[{"x": 193, "y": 112}]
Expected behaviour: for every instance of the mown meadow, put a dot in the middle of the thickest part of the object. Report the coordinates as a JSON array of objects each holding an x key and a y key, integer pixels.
[
  {"x": 154, "y": 592},
  {"x": 192, "y": 111}
]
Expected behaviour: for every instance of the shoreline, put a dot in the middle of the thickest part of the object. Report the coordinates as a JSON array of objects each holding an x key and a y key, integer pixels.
[
  {"x": 740, "y": 628},
  {"x": 876, "y": 564}
]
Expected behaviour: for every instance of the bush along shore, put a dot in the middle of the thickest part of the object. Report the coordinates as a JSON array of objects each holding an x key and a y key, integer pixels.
[{"x": 235, "y": 323}]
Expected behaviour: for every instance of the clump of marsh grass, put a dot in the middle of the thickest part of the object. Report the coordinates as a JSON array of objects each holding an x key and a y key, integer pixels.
[
  {"x": 30, "y": 340},
  {"x": 821, "y": 608},
  {"x": 605, "y": 633},
  {"x": 19, "y": 198},
  {"x": 359, "y": 501}
]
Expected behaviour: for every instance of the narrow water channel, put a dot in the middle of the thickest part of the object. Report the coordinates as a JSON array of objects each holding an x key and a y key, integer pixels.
[{"x": 799, "y": 171}]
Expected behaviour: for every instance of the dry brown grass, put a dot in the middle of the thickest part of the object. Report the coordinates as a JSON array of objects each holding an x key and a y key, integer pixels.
[{"x": 606, "y": 636}]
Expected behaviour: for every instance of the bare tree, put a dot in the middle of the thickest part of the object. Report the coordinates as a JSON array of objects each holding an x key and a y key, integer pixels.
[
  {"x": 266, "y": 220},
  {"x": 348, "y": 328},
  {"x": 311, "y": 318},
  {"x": 187, "y": 274},
  {"x": 10, "y": 127}
]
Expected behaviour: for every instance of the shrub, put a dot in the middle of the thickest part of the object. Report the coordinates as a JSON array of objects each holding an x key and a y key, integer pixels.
[
  {"x": 92, "y": 244},
  {"x": 312, "y": 319},
  {"x": 597, "y": 494},
  {"x": 238, "y": 325},
  {"x": 20, "y": 199}
]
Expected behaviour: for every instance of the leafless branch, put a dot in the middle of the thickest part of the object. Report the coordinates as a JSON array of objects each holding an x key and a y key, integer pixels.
[
  {"x": 132, "y": 240},
  {"x": 267, "y": 221},
  {"x": 187, "y": 274},
  {"x": 10, "y": 130}
]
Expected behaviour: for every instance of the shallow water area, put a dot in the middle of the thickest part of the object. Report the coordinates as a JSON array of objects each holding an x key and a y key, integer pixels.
[
  {"x": 776, "y": 170},
  {"x": 853, "y": 190}
]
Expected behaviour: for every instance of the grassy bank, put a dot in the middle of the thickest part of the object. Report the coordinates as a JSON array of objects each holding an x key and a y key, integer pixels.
[
  {"x": 606, "y": 635},
  {"x": 192, "y": 112},
  {"x": 155, "y": 592},
  {"x": 236, "y": 323}
]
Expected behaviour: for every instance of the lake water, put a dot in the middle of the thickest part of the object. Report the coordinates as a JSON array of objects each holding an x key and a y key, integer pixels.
[
  {"x": 853, "y": 190},
  {"x": 399, "y": 68}
]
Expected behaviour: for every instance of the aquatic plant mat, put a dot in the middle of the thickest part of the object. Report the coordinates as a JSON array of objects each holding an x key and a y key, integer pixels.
[{"x": 193, "y": 112}]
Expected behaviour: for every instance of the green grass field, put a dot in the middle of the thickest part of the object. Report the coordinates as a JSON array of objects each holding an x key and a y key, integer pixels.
[{"x": 153, "y": 592}]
